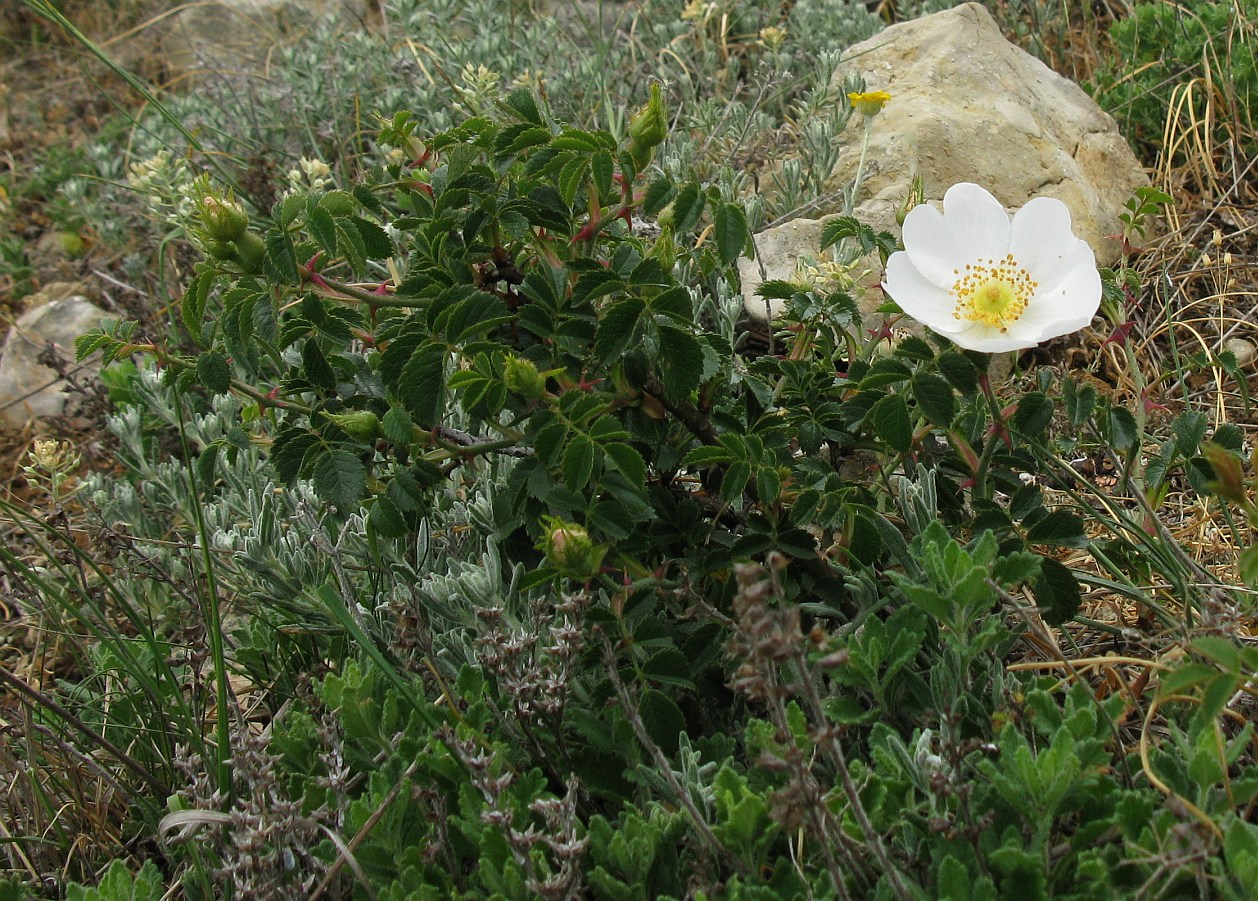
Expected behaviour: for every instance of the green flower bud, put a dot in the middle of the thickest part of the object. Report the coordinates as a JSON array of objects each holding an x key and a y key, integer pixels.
[
  {"x": 222, "y": 250},
  {"x": 568, "y": 546},
  {"x": 647, "y": 129},
  {"x": 252, "y": 252},
  {"x": 361, "y": 425},
  {"x": 522, "y": 378},
  {"x": 915, "y": 197},
  {"x": 1229, "y": 482},
  {"x": 667, "y": 216},
  {"x": 225, "y": 220}
]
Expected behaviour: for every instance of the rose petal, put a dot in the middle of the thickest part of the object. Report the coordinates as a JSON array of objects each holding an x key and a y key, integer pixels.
[
  {"x": 990, "y": 340},
  {"x": 1078, "y": 256},
  {"x": 932, "y": 246},
  {"x": 918, "y": 296},
  {"x": 1040, "y": 238},
  {"x": 978, "y": 223},
  {"x": 1066, "y": 308}
]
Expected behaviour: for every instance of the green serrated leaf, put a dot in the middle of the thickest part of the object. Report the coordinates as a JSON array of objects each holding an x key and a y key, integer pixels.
[
  {"x": 602, "y": 167},
  {"x": 195, "y": 297},
  {"x": 398, "y": 426},
  {"x": 288, "y": 452},
  {"x": 1123, "y": 430},
  {"x": 387, "y": 519},
  {"x": 735, "y": 482},
  {"x": 1034, "y": 413},
  {"x": 322, "y": 228},
  {"x": 935, "y": 398},
  {"x": 573, "y": 139},
  {"x": 658, "y": 194},
  {"x": 318, "y": 370},
  {"x": 290, "y": 208},
  {"x": 959, "y": 371},
  {"x": 206, "y": 464},
  {"x": 680, "y": 362},
  {"x": 616, "y": 327},
  {"x": 844, "y": 227},
  {"x": 1190, "y": 430},
  {"x": 578, "y": 462},
  {"x": 521, "y": 102},
  {"x": 669, "y": 666},
  {"x": 1059, "y": 527},
  {"x": 687, "y": 207},
  {"x": 732, "y": 232},
  {"x": 889, "y": 419},
  {"x": 1079, "y": 400},
  {"x": 521, "y": 139},
  {"x": 365, "y": 196},
  {"x": 708, "y": 456},
  {"x": 281, "y": 259},
  {"x": 1016, "y": 568},
  {"x": 214, "y": 372},
  {"x": 628, "y": 462},
  {"x": 406, "y": 491},
  {"x": 376, "y": 241},
  {"x": 662, "y": 718},
  {"x": 1056, "y": 592},
  {"x": 340, "y": 478},
  {"x": 422, "y": 383}
]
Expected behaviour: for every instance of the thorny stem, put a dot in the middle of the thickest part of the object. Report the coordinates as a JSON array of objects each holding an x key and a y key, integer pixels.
[
  {"x": 662, "y": 765},
  {"x": 264, "y": 399},
  {"x": 691, "y": 417},
  {"x": 343, "y": 291}
]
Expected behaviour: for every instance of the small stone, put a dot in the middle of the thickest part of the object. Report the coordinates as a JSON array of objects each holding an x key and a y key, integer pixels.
[
  {"x": 1243, "y": 349},
  {"x": 29, "y": 390}
]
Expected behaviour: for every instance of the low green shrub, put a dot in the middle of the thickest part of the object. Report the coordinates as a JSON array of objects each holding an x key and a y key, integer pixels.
[
  {"x": 1184, "y": 68},
  {"x": 623, "y": 609}
]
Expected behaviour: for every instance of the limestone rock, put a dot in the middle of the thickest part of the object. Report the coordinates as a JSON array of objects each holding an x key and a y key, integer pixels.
[
  {"x": 967, "y": 105},
  {"x": 236, "y": 35},
  {"x": 29, "y": 390}
]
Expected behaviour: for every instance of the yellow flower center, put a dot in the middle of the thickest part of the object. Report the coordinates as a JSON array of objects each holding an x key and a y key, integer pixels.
[{"x": 992, "y": 292}]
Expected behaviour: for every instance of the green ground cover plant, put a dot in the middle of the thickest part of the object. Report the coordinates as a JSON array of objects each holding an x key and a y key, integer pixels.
[{"x": 463, "y": 543}]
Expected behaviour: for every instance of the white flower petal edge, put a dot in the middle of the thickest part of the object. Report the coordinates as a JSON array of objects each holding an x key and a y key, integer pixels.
[
  {"x": 1040, "y": 236},
  {"x": 977, "y": 220},
  {"x": 921, "y": 298},
  {"x": 931, "y": 245},
  {"x": 989, "y": 283}
]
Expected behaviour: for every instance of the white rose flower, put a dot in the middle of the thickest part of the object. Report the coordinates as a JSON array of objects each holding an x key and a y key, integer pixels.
[{"x": 989, "y": 283}]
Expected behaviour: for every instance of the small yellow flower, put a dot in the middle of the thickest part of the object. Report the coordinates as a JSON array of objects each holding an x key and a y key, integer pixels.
[
  {"x": 869, "y": 103},
  {"x": 773, "y": 37}
]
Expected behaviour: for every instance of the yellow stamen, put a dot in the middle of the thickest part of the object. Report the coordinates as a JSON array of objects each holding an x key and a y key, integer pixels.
[{"x": 994, "y": 293}]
